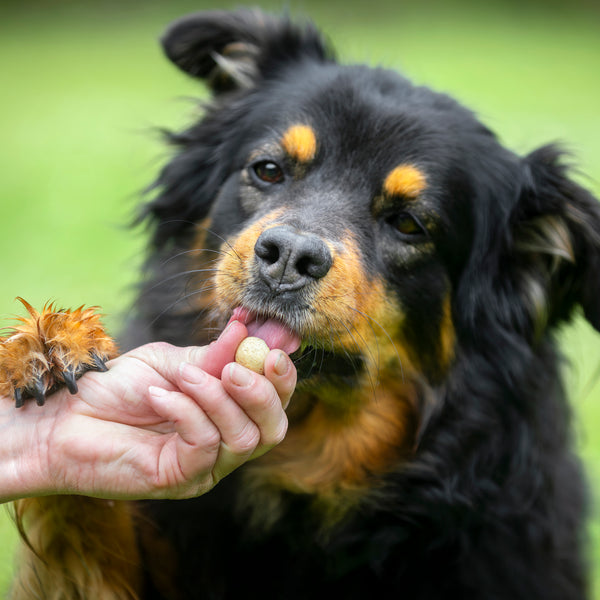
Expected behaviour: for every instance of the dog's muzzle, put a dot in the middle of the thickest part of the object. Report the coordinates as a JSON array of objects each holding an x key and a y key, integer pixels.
[{"x": 289, "y": 260}]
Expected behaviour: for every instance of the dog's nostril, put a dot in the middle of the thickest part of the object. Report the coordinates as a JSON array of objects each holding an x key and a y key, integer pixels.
[
  {"x": 314, "y": 260},
  {"x": 269, "y": 252},
  {"x": 289, "y": 259}
]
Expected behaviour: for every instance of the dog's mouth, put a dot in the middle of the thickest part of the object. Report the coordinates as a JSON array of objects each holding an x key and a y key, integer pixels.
[
  {"x": 311, "y": 357},
  {"x": 274, "y": 332}
]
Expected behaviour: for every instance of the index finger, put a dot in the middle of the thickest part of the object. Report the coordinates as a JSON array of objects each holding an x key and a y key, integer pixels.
[
  {"x": 165, "y": 358},
  {"x": 222, "y": 351}
]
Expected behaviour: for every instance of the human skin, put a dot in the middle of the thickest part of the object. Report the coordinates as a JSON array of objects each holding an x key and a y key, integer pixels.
[{"x": 163, "y": 422}]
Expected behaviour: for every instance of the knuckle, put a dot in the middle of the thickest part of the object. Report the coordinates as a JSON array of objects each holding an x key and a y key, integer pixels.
[
  {"x": 195, "y": 354},
  {"x": 206, "y": 484},
  {"x": 246, "y": 441},
  {"x": 153, "y": 351},
  {"x": 281, "y": 432},
  {"x": 286, "y": 386},
  {"x": 289, "y": 385},
  {"x": 263, "y": 398},
  {"x": 159, "y": 347},
  {"x": 277, "y": 436},
  {"x": 210, "y": 440}
]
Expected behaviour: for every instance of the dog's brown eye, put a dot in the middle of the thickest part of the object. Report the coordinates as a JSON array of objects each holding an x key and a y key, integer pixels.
[
  {"x": 407, "y": 225},
  {"x": 268, "y": 171}
]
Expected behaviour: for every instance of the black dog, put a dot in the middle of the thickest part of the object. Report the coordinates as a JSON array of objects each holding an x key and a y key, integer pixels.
[{"x": 418, "y": 270}]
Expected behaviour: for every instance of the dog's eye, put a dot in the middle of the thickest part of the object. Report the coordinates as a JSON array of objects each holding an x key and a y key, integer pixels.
[
  {"x": 407, "y": 225},
  {"x": 268, "y": 171}
]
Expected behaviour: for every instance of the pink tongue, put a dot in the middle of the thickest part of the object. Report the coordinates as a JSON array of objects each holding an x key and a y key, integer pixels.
[
  {"x": 275, "y": 334},
  {"x": 272, "y": 331}
]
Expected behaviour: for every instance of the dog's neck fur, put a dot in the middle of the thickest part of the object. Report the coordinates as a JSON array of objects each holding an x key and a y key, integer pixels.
[{"x": 334, "y": 453}]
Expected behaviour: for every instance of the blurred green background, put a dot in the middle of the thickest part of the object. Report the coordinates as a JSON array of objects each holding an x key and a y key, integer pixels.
[{"x": 85, "y": 83}]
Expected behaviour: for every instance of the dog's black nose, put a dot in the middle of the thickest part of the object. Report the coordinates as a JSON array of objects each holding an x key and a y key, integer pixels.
[{"x": 289, "y": 260}]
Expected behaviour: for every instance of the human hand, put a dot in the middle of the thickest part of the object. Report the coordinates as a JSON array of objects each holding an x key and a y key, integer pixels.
[{"x": 162, "y": 422}]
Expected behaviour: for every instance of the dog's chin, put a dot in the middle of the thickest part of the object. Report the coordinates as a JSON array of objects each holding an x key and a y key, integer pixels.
[
  {"x": 318, "y": 365},
  {"x": 313, "y": 358}
]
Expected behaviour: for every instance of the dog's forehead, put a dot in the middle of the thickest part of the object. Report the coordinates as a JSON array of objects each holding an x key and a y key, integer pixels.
[
  {"x": 300, "y": 142},
  {"x": 366, "y": 118}
]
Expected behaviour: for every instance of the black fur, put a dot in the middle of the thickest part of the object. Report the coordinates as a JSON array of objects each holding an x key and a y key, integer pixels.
[{"x": 490, "y": 504}]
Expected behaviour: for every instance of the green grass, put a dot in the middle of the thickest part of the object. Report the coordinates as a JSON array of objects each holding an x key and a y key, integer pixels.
[{"x": 85, "y": 83}]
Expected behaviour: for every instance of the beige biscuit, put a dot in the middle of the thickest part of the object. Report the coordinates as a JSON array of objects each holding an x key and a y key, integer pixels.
[{"x": 251, "y": 353}]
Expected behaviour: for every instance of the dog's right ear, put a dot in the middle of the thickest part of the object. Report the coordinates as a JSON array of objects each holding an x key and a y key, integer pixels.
[{"x": 233, "y": 50}]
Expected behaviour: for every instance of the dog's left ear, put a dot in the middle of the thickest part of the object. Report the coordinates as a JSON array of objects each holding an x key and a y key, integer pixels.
[
  {"x": 555, "y": 242},
  {"x": 232, "y": 50}
]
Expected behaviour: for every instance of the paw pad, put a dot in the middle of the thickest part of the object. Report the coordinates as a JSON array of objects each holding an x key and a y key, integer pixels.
[{"x": 50, "y": 349}]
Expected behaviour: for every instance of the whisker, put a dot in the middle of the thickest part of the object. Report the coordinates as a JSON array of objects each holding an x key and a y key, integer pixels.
[
  {"x": 373, "y": 382},
  {"x": 224, "y": 240},
  {"x": 385, "y": 332},
  {"x": 310, "y": 356},
  {"x": 180, "y": 274},
  {"x": 202, "y": 250},
  {"x": 172, "y": 221},
  {"x": 191, "y": 251},
  {"x": 201, "y": 290},
  {"x": 322, "y": 359},
  {"x": 333, "y": 330}
]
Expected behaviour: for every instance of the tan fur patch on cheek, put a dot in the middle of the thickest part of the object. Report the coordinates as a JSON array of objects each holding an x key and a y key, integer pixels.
[
  {"x": 300, "y": 142},
  {"x": 203, "y": 266},
  {"x": 234, "y": 270},
  {"x": 405, "y": 180},
  {"x": 355, "y": 304}
]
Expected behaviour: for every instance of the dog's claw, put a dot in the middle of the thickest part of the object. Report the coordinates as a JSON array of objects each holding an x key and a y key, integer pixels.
[
  {"x": 99, "y": 364},
  {"x": 70, "y": 381},
  {"x": 39, "y": 392},
  {"x": 18, "y": 396}
]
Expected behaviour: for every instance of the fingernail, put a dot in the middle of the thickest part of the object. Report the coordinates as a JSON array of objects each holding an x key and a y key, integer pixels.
[
  {"x": 239, "y": 375},
  {"x": 157, "y": 392},
  {"x": 226, "y": 329},
  {"x": 282, "y": 364},
  {"x": 192, "y": 374}
]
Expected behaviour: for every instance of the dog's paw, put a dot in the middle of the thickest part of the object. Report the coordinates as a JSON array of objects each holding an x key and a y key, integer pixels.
[{"x": 52, "y": 348}]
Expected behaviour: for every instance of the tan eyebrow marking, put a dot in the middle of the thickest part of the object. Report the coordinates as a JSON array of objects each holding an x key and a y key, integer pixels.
[
  {"x": 405, "y": 180},
  {"x": 300, "y": 142}
]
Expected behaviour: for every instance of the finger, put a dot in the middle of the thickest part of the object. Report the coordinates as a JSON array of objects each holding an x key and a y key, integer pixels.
[
  {"x": 166, "y": 358},
  {"x": 222, "y": 351},
  {"x": 239, "y": 434},
  {"x": 191, "y": 455},
  {"x": 281, "y": 372},
  {"x": 260, "y": 402}
]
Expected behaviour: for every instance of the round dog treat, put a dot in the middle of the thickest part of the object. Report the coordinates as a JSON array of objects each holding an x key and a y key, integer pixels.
[{"x": 251, "y": 353}]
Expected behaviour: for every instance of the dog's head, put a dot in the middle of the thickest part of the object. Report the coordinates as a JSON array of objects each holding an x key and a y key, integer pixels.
[{"x": 360, "y": 221}]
